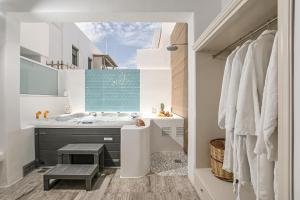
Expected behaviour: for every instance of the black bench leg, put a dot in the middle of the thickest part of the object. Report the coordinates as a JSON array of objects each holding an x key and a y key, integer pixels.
[
  {"x": 60, "y": 159},
  {"x": 96, "y": 160},
  {"x": 88, "y": 184},
  {"x": 46, "y": 184},
  {"x": 102, "y": 161}
]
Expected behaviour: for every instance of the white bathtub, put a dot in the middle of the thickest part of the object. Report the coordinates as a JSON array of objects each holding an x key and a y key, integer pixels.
[
  {"x": 137, "y": 143},
  {"x": 94, "y": 117},
  {"x": 86, "y": 120}
]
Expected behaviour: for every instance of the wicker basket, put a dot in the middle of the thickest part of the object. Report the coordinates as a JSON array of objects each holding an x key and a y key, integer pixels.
[{"x": 217, "y": 147}]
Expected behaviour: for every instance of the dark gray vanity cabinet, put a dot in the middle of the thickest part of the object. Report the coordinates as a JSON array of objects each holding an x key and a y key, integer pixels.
[{"x": 48, "y": 140}]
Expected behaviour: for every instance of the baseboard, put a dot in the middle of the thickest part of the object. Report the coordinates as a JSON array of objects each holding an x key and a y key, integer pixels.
[
  {"x": 6, "y": 186},
  {"x": 28, "y": 168}
]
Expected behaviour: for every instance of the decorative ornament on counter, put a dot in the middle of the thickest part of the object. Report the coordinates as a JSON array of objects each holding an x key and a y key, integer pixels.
[
  {"x": 162, "y": 112},
  {"x": 37, "y": 114},
  {"x": 139, "y": 123},
  {"x": 68, "y": 107},
  {"x": 46, "y": 113},
  {"x": 162, "y": 107}
]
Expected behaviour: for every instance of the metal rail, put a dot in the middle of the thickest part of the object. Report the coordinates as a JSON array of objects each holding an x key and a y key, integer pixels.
[{"x": 245, "y": 37}]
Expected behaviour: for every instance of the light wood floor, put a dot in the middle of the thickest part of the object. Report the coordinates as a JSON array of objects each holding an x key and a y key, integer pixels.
[{"x": 106, "y": 187}]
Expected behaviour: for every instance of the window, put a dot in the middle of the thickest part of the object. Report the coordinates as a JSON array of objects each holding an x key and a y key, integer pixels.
[
  {"x": 75, "y": 52},
  {"x": 90, "y": 63},
  {"x": 37, "y": 79}
]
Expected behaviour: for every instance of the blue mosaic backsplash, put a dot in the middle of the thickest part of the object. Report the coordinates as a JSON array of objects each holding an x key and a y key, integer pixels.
[{"x": 112, "y": 90}]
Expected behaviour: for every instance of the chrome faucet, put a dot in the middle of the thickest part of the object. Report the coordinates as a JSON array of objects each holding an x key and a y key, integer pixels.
[{"x": 93, "y": 114}]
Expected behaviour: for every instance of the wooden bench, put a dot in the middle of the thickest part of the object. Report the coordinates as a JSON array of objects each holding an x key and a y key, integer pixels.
[
  {"x": 97, "y": 150},
  {"x": 71, "y": 172}
]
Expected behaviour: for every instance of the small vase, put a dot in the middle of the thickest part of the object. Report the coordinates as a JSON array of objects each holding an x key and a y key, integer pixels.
[{"x": 68, "y": 107}]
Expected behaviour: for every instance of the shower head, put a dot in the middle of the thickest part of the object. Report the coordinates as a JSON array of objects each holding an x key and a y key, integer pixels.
[{"x": 174, "y": 47}]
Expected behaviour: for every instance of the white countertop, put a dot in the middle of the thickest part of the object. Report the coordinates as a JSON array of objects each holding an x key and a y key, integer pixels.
[{"x": 155, "y": 116}]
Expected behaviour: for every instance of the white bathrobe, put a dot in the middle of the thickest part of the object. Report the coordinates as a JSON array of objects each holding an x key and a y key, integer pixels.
[
  {"x": 252, "y": 84},
  {"x": 236, "y": 70},
  {"x": 266, "y": 146},
  {"x": 224, "y": 90},
  {"x": 250, "y": 99},
  {"x": 267, "y": 134}
]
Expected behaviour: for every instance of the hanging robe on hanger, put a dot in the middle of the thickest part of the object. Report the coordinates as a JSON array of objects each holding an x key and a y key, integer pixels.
[
  {"x": 250, "y": 99},
  {"x": 224, "y": 90},
  {"x": 266, "y": 146},
  {"x": 236, "y": 70},
  {"x": 267, "y": 134}
]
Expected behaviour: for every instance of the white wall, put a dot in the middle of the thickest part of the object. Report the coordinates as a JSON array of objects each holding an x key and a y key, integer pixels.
[
  {"x": 158, "y": 56},
  {"x": 225, "y": 3},
  {"x": 75, "y": 86},
  {"x": 35, "y": 36},
  {"x": 73, "y": 36},
  {"x": 155, "y": 88},
  {"x": 30, "y": 104},
  {"x": 3, "y": 177},
  {"x": 54, "y": 42},
  {"x": 27, "y": 149},
  {"x": 166, "y": 31},
  {"x": 296, "y": 101},
  {"x": 192, "y": 122},
  {"x": 11, "y": 167},
  {"x": 153, "y": 58}
]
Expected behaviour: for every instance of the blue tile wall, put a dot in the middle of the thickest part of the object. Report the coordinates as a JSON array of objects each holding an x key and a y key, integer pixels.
[{"x": 112, "y": 90}]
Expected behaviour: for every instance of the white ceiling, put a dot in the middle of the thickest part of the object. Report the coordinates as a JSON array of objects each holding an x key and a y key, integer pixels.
[
  {"x": 107, "y": 5},
  {"x": 198, "y": 13}
]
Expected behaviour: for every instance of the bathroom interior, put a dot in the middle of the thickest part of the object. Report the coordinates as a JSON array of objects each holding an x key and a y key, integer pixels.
[
  {"x": 95, "y": 94},
  {"x": 73, "y": 92},
  {"x": 80, "y": 124}
]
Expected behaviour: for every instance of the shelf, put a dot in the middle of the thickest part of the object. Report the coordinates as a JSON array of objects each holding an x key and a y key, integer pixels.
[
  {"x": 236, "y": 20},
  {"x": 217, "y": 189}
]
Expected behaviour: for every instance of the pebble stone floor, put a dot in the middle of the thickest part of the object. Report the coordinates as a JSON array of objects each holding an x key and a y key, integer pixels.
[
  {"x": 168, "y": 181},
  {"x": 169, "y": 163}
]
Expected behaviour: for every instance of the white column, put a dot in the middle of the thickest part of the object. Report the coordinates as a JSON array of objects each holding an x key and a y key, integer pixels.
[
  {"x": 191, "y": 102},
  {"x": 296, "y": 101},
  {"x": 11, "y": 144},
  {"x": 2, "y": 123}
]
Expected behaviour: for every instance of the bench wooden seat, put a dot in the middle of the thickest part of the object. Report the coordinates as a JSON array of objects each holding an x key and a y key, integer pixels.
[{"x": 73, "y": 172}]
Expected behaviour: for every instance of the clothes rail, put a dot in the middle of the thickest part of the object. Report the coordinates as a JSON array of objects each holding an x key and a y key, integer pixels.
[{"x": 247, "y": 36}]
